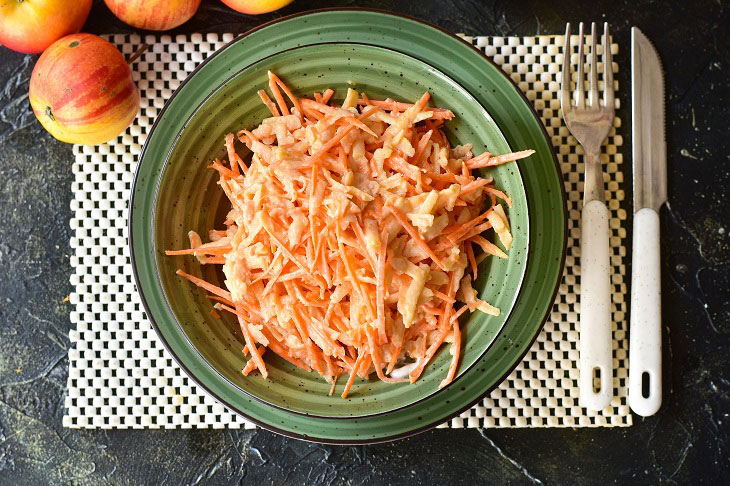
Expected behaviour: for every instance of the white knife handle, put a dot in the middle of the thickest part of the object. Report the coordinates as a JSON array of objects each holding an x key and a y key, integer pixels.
[
  {"x": 645, "y": 332},
  {"x": 595, "y": 307}
]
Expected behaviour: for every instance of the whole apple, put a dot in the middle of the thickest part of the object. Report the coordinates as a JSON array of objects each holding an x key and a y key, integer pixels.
[
  {"x": 82, "y": 91},
  {"x": 255, "y": 7},
  {"x": 30, "y": 26},
  {"x": 153, "y": 14}
]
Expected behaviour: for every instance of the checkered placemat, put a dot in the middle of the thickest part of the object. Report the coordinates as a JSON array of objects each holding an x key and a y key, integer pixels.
[{"x": 120, "y": 375}]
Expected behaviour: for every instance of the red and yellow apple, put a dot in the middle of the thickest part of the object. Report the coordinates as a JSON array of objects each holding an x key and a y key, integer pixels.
[
  {"x": 82, "y": 91},
  {"x": 30, "y": 26},
  {"x": 255, "y": 7},
  {"x": 153, "y": 14}
]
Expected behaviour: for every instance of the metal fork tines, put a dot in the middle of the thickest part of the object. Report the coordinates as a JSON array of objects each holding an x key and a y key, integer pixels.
[{"x": 589, "y": 121}]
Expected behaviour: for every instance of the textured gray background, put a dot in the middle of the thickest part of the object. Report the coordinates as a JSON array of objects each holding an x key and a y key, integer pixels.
[{"x": 686, "y": 442}]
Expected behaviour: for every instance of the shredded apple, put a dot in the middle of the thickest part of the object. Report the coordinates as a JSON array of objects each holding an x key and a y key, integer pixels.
[{"x": 352, "y": 236}]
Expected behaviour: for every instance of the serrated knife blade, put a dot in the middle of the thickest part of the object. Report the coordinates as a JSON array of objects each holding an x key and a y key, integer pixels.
[{"x": 648, "y": 130}]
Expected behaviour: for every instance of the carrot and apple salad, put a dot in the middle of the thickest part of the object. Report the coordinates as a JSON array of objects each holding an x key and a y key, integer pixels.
[{"x": 354, "y": 235}]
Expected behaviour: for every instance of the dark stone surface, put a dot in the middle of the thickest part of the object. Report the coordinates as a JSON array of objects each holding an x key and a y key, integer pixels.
[{"x": 686, "y": 442}]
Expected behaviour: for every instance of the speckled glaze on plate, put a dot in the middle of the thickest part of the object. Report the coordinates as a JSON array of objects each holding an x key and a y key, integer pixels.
[
  {"x": 513, "y": 115},
  {"x": 189, "y": 198}
]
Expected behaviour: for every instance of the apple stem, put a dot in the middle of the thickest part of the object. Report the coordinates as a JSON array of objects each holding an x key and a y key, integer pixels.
[{"x": 136, "y": 55}]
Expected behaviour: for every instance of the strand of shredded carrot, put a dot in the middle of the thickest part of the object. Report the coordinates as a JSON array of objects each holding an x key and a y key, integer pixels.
[
  {"x": 476, "y": 230},
  {"x": 459, "y": 229},
  {"x": 274, "y": 87},
  {"x": 416, "y": 237},
  {"x": 498, "y": 160},
  {"x": 443, "y": 296},
  {"x": 421, "y": 148},
  {"x": 473, "y": 186},
  {"x": 358, "y": 124},
  {"x": 331, "y": 143},
  {"x": 224, "y": 171},
  {"x": 207, "y": 286},
  {"x": 233, "y": 159},
  {"x": 353, "y": 373},
  {"x": 287, "y": 92},
  {"x": 349, "y": 268},
  {"x": 472, "y": 260},
  {"x": 361, "y": 240},
  {"x": 504, "y": 197},
  {"x": 438, "y": 114},
  {"x": 380, "y": 289},
  {"x": 267, "y": 101},
  {"x": 455, "y": 353},
  {"x": 217, "y": 260},
  {"x": 334, "y": 384},
  {"x": 488, "y": 246},
  {"x": 441, "y": 337},
  {"x": 251, "y": 365},
  {"x": 255, "y": 356},
  {"x": 209, "y": 250}
]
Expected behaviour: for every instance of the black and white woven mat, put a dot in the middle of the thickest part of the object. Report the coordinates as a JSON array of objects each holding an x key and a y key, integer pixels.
[{"x": 120, "y": 375}]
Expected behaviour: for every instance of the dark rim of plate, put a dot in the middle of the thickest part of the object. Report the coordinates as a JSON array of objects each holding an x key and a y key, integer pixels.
[{"x": 417, "y": 430}]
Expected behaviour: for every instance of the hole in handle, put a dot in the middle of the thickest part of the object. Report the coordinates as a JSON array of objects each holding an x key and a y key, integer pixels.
[
  {"x": 645, "y": 384},
  {"x": 596, "y": 380}
]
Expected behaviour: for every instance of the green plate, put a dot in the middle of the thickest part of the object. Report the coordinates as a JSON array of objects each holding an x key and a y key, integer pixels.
[
  {"x": 216, "y": 368},
  {"x": 190, "y": 198}
]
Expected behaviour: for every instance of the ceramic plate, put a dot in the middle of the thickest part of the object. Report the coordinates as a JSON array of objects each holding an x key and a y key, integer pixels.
[
  {"x": 189, "y": 198},
  {"x": 209, "y": 351}
]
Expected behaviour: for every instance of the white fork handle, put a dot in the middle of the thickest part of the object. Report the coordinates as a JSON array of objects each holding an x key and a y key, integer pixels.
[
  {"x": 595, "y": 307},
  {"x": 645, "y": 332}
]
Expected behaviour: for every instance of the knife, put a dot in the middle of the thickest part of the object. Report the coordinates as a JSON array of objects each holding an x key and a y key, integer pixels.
[{"x": 650, "y": 192}]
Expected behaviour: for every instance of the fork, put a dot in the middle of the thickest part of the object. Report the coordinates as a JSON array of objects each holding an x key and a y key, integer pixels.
[{"x": 590, "y": 121}]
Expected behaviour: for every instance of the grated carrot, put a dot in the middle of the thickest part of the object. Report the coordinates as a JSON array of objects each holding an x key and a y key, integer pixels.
[
  {"x": 211, "y": 250},
  {"x": 207, "y": 286},
  {"x": 488, "y": 246},
  {"x": 331, "y": 143},
  {"x": 442, "y": 333},
  {"x": 473, "y": 186},
  {"x": 255, "y": 356},
  {"x": 416, "y": 237},
  {"x": 488, "y": 161},
  {"x": 455, "y": 352},
  {"x": 438, "y": 114},
  {"x": 224, "y": 171},
  {"x": 274, "y": 87},
  {"x": 328, "y": 250},
  {"x": 380, "y": 288},
  {"x": 472, "y": 260},
  {"x": 353, "y": 373},
  {"x": 421, "y": 148},
  {"x": 444, "y": 297},
  {"x": 267, "y": 101},
  {"x": 251, "y": 365},
  {"x": 504, "y": 197},
  {"x": 233, "y": 158}
]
